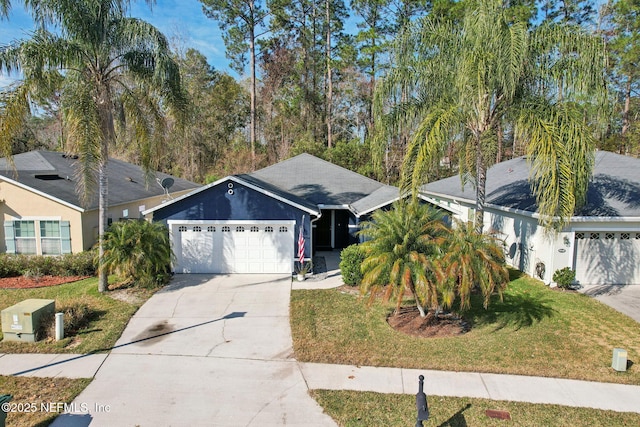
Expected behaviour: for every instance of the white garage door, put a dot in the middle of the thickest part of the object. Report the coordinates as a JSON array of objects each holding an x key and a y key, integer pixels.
[
  {"x": 233, "y": 247},
  {"x": 607, "y": 258}
]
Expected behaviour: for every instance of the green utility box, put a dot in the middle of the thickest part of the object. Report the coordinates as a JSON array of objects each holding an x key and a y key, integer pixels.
[
  {"x": 619, "y": 362},
  {"x": 21, "y": 322}
]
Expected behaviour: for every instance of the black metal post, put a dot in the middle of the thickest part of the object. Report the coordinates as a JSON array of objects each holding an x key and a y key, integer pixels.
[{"x": 421, "y": 403}]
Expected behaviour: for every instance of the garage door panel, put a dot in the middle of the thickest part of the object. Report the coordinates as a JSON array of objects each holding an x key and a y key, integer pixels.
[
  {"x": 270, "y": 254},
  {"x": 606, "y": 258},
  {"x": 233, "y": 248},
  {"x": 193, "y": 245}
]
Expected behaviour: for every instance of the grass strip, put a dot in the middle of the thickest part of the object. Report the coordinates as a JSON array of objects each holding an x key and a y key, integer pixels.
[
  {"x": 37, "y": 401},
  {"x": 352, "y": 409}
]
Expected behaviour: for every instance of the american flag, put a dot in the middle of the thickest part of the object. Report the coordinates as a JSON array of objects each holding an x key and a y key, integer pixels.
[{"x": 301, "y": 243}]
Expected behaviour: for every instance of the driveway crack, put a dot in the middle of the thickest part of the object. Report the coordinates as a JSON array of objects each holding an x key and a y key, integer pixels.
[
  {"x": 175, "y": 306},
  {"x": 224, "y": 325}
]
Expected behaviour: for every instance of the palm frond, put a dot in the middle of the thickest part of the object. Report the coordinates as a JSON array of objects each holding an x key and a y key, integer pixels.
[{"x": 14, "y": 110}]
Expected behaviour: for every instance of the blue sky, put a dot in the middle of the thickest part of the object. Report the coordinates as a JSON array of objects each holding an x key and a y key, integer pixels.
[{"x": 181, "y": 20}]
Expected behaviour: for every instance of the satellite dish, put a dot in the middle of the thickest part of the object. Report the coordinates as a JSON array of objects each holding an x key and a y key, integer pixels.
[{"x": 166, "y": 183}]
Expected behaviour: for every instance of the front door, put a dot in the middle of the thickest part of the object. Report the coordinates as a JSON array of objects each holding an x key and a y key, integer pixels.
[
  {"x": 322, "y": 231},
  {"x": 341, "y": 227},
  {"x": 331, "y": 231}
]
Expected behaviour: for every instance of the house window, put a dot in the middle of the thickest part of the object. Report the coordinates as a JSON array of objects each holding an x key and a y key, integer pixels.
[
  {"x": 50, "y": 237},
  {"x": 624, "y": 236},
  {"x": 268, "y": 229},
  {"x": 197, "y": 228},
  {"x": 595, "y": 236},
  {"x": 255, "y": 229},
  {"x": 580, "y": 236},
  {"x": 37, "y": 237},
  {"x": 240, "y": 228},
  {"x": 283, "y": 229},
  {"x": 25, "y": 233},
  {"x": 608, "y": 236},
  {"x": 226, "y": 229},
  {"x": 182, "y": 228},
  {"x": 211, "y": 229},
  {"x": 637, "y": 236}
]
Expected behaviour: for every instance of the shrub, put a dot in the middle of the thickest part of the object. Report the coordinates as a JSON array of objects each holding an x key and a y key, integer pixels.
[
  {"x": 78, "y": 314},
  {"x": 81, "y": 264},
  {"x": 564, "y": 277},
  {"x": 351, "y": 259},
  {"x": 13, "y": 265},
  {"x": 138, "y": 252}
]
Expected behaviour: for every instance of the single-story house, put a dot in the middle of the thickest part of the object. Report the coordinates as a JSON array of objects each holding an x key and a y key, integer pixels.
[
  {"x": 42, "y": 213},
  {"x": 251, "y": 223},
  {"x": 601, "y": 243}
]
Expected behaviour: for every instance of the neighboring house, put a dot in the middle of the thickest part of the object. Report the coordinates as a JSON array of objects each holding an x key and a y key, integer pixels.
[
  {"x": 41, "y": 210},
  {"x": 250, "y": 223},
  {"x": 601, "y": 242}
]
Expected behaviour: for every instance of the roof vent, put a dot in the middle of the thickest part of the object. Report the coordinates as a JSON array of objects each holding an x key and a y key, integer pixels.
[{"x": 48, "y": 177}]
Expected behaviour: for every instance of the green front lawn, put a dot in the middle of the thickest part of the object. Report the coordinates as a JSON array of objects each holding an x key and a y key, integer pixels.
[
  {"x": 351, "y": 409},
  {"x": 101, "y": 318},
  {"x": 534, "y": 331},
  {"x": 37, "y": 401}
]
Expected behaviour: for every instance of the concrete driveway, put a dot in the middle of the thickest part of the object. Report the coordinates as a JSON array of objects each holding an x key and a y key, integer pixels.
[
  {"x": 624, "y": 298},
  {"x": 205, "y": 351}
]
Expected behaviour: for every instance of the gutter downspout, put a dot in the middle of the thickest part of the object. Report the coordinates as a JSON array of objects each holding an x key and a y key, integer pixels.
[{"x": 311, "y": 221}]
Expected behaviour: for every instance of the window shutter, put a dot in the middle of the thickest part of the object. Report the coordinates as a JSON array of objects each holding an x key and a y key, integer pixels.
[
  {"x": 9, "y": 237},
  {"x": 65, "y": 237}
]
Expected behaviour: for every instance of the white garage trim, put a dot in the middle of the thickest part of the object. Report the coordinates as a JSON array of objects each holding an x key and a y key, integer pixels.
[{"x": 222, "y": 247}]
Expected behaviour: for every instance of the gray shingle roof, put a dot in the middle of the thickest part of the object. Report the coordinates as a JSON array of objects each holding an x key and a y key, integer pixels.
[
  {"x": 379, "y": 198},
  {"x": 320, "y": 182},
  {"x": 311, "y": 183},
  {"x": 54, "y": 174},
  {"x": 614, "y": 189},
  {"x": 248, "y": 178}
]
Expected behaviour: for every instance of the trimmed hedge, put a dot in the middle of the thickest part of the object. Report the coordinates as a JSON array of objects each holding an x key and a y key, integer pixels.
[
  {"x": 351, "y": 259},
  {"x": 81, "y": 264}
]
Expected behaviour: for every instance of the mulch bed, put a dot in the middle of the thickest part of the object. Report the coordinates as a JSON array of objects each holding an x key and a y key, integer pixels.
[
  {"x": 407, "y": 320},
  {"x": 23, "y": 282}
]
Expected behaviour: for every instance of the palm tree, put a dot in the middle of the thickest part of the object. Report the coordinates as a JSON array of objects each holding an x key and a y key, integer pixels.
[
  {"x": 401, "y": 252},
  {"x": 105, "y": 65},
  {"x": 5, "y": 7},
  {"x": 137, "y": 251},
  {"x": 472, "y": 260},
  {"x": 459, "y": 83}
]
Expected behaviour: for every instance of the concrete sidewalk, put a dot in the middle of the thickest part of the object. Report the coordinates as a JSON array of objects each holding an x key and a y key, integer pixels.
[
  {"x": 605, "y": 396},
  {"x": 51, "y": 365},
  {"x": 615, "y": 397}
]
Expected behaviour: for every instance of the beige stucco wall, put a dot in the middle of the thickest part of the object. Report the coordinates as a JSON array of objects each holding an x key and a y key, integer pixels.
[
  {"x": 21, "y": 203},
  {"x": 117, "y": 213}
]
